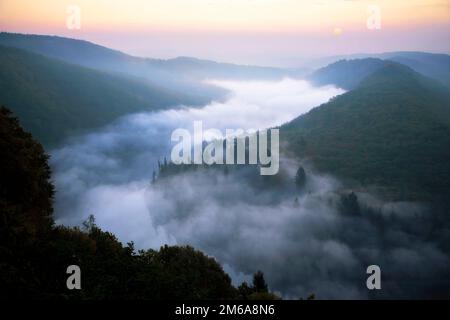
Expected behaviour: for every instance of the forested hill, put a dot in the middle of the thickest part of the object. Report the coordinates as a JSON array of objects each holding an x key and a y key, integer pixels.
[
  {"x": 350, "y": 69},
  {"x": 54, "y": 99},
  {"x": 346, "y": 74},
  {"x": 182, "y": 74},
  {"x": 392, "y": 130},
  {"x": 91, "y": 55},
  {"x": 78, "y": 52},
  {"x": 433, "y": 65},
  {"x": 35, "y": 253}
]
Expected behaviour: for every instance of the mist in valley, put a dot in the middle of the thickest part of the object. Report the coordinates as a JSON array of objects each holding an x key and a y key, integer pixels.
[{"x": 303, "y": 239}]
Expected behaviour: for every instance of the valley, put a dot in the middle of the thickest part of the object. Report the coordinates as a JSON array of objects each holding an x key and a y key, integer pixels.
[{"x": 362, "y": 177}]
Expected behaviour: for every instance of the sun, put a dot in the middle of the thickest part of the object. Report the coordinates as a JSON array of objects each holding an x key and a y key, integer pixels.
[{"x": 337, "y": 31}]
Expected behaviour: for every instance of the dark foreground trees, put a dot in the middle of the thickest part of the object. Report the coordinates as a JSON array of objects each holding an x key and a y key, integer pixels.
[
  {"x": 34, "y": 254},
  {"x": 258, "y": 291}
]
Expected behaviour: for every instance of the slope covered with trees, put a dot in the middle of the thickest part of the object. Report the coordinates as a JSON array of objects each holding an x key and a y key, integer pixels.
[
  {"x": 91, "y": 55},
  {"x": 183, "y": 74},
  {"x": 346, "y": 74},
  {"x": 54, "y": 99},
  {"x": 35, "y": 254},
  {"x": 432, "y": 65},
  {"x": 392, "y": 130}
]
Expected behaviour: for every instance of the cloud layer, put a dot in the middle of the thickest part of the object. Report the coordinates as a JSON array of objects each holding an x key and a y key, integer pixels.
[{"x": 302, "y": 240}]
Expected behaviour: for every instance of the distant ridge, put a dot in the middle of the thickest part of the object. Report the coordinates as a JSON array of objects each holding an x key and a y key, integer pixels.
[
  {"x": 91, "y": 55},
  {"x": 433, "y": 65},
  {"x": 346, "y": 74},
  {"x": 54, "y": 99}
]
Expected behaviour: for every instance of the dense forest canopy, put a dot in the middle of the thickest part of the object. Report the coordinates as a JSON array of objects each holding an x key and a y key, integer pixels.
[
  {"x": 390, "y": 131},
  {"x": 55, "y": 100}
]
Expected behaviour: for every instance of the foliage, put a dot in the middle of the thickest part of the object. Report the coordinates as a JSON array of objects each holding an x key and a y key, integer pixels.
[
  {"x": 54, "y": 99},
  {"x": 35, "y": 254},
  {"x": 391, "y": 131},
  {"x": 349, "y": 205},
  {"x": 433, "y": 65},
  {"x": 346, "y": 74},
  {"x": 258, "y": 291},
  {"x": 25, "y": 191},
  {"x": 259, "y": 283},
  {"x": 300, "y": 178}
]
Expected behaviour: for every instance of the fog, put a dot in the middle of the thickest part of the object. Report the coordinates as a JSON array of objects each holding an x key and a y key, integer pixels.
[
  {"x": 128, "y": 150},
  {"x": 302, "y": 240},
  {"x": 255, "y": 104}
]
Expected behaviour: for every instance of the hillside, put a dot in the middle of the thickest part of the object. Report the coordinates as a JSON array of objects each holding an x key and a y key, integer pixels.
[
  {"x": 54, "y": 99},
  {"x": 36, "y": 254},
  {"x": 346, "y": 74},
  {"x": 201, "y": 69},
  {"x": 392, "y": 131},
  {"x": 433, "y": 65},
  {"x": 95, "y": 56},
  {"x": 181, "y": 74}
]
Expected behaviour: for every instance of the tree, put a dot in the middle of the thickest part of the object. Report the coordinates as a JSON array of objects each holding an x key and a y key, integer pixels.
[
  {"x": 300, "y": 178},
  {"x": 89, "y": 223},
  {"x": 26, "y": 205},
  {"x": 245, "y": 291},
  {"x": 26, "y": 193},
  {"x": 259, "y": 290},
  {"x": 181, "y": 272},
  {"x": 349, "y": 205},
  {"x": 153, "y": 177},
  {"x": 259, "y": 283}
]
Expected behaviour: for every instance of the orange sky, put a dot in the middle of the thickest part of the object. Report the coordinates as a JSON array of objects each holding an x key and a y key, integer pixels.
[{"x": 190, "y": 27}]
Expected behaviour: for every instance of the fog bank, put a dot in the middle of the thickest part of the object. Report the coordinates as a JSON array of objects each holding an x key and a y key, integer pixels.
[{"x": 302, "y": 239}]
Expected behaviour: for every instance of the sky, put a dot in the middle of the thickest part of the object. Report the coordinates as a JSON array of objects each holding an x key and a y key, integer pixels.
[{"x": 271, "y": 32}]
